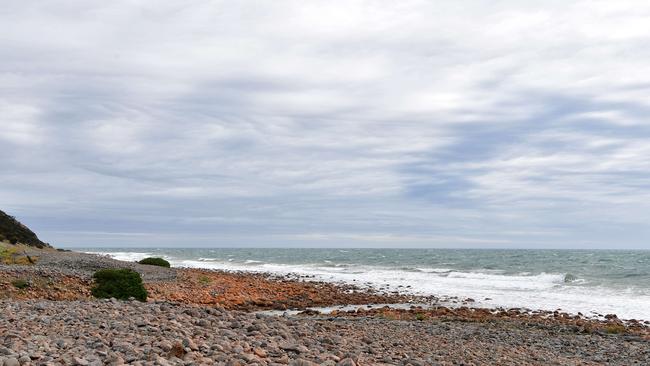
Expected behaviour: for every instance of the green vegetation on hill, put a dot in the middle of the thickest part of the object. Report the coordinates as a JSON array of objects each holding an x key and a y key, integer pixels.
[
  {"x": 155, "y": 262},
  {"x": 119, "y": 283},
  {"x": 14, "y": 232}
]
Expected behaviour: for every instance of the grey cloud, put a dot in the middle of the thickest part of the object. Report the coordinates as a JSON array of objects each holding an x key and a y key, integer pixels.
[{"x": 284, "y": 123}]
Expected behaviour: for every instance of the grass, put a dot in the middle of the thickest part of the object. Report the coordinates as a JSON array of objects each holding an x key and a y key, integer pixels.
[
  {"x": 615, "y": 329},
  {"x": 20, "y": 283},
  {"x": 14, "y": 254},
  {"x": 205, "y": 280},
  {"x": 390, "y": 316}
]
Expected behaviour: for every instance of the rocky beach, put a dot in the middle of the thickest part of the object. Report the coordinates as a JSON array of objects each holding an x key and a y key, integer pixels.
[
  {"x": 324, "y": 183},
  {"x": 201, "y": 317}
]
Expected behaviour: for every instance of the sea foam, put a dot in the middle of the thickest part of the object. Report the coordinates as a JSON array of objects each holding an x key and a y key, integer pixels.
[{"x": 487, "y": 287}]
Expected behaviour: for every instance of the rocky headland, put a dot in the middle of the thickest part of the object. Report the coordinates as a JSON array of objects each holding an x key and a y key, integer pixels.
[{"x": 14, "y": 232}]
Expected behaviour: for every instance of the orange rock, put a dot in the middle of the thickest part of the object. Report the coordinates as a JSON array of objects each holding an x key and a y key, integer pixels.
[{"x": 259, "y": 352}]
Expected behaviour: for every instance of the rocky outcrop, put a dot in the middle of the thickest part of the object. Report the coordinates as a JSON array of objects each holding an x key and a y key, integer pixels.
[{"x": 14, "y": 232}]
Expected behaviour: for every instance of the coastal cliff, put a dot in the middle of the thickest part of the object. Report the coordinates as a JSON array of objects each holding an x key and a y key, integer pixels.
[{"x": 14, "y": 232}]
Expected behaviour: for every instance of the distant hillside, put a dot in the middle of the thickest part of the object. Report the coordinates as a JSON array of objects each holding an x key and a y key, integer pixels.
[{"x": 13, "y": 231}]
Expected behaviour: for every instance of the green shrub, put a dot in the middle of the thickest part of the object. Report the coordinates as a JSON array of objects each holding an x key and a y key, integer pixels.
[
  {"x": 20, "y": 283},
  {"x": 119, "y": 283},
  {"x": 204, "y": 280},
  {"x": 615, "y": 329},
  {"x": 155, "y": 262}
]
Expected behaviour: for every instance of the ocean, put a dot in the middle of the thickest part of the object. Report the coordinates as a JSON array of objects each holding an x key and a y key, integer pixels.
[{"x": 587, "y": 281}]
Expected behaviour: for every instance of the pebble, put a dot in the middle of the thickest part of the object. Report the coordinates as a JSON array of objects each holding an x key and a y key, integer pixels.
[
  {"x": 11, "y": 361},
  {"x": 346, "y": 362},
  {"x": 111, "y": 332},
  {"x": 80, "y": 361},
  {"x": 301, "y": 362},
  {"x": 174, "y": 337}
]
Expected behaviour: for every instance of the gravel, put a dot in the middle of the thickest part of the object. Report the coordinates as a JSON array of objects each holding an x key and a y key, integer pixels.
[
  {"x": 111, "y": 332},
  {"x": 83, "y": 265}
]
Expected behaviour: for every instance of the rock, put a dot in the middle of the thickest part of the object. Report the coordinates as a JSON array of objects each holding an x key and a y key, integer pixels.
[
  {"x": 332, "y": 357},
  {"x": 80, "y": 361},
  {"x": 301, "y": 362},
  {"x": 259, "y": 352},
  {"x": 165, "y": 345},
  {"x": 177, "y": 350},
  {"x": 294, "y": 347},
  {"x": 284, "y": 359},
  {"x": 11, "y": 361},
  {"x": 24, "y": 359},
  {"x": 346, "y": 362},
  {"x": 247, "y": 357},
  {"x": 187, "y": 342},
  {"x": 203, "y": 323},
  {"x": 115, "y": 360}
]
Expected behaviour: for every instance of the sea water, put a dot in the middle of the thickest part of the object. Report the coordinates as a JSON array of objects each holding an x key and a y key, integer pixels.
[{"x": 587, "y": 281}]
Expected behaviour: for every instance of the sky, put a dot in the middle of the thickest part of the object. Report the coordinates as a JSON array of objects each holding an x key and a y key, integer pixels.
[{"x": 455, "y": 124}]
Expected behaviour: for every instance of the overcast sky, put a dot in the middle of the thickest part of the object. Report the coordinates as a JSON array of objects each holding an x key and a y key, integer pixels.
[{"x": 321, "y": 123}]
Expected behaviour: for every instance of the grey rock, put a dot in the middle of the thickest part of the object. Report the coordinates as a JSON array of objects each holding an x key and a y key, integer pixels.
[
  {"x": 80, "y": 361},
  {"x": 294, "y": 347},
  {"x": 11, "y": 361},
  {"x": 301, "y": 362},
  {"x": 346, "y": 362},
  {"x": 189, "y": 343},
  {"x": 247, "y": 357}
]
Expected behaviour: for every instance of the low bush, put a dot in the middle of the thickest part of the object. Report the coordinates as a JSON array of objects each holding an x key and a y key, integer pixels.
[
  {"x": 204, "y": 280},
  {"x": 20, "y": 283},
  {"x": 615, "y": 329},
  {"x": 119, "y": 283},
  {"x": 7, "y": 254},
  {"x": 11, "y": 255},
  {"x": 155, "y": 262}
]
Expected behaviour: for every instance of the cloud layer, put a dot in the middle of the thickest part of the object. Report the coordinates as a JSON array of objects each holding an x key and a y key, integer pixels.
[{"x": 480, "y": 124}]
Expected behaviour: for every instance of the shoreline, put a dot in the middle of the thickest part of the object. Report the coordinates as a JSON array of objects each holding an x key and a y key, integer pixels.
[
  {"x": 239, "y": 318},
  {"x": 464, "y": 287},
  {"x": 187, "y": 284}
]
